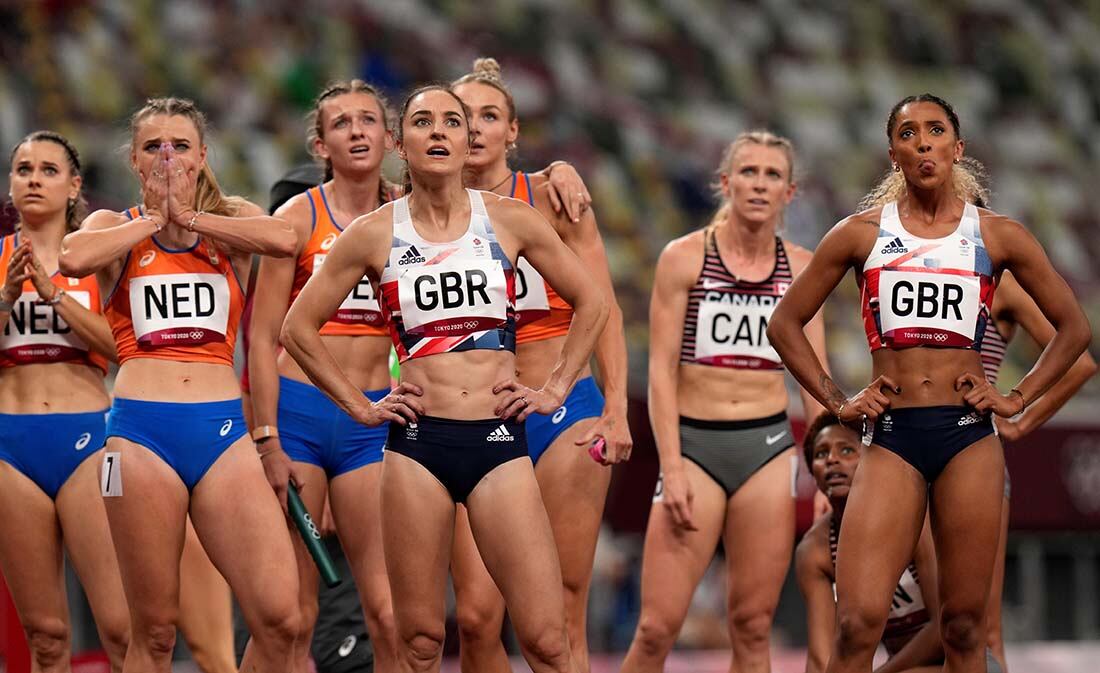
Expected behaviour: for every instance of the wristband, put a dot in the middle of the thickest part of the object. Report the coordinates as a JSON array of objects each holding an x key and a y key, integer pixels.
[
  {"x": 555, "y": 164},
  {"x": 191, "y": 222},
  {"x": 1023, "y": 400},
  {"x": 265, "y": 432},
  {"x": 54, "y": 300}
]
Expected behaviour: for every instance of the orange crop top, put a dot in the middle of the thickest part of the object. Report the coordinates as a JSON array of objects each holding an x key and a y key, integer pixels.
[
  {"x": 180, "y": 305},
  {"x": 359, "y": 314},
  {"x": 540, "y": 312},
  {"x": 35, "y": 333}
]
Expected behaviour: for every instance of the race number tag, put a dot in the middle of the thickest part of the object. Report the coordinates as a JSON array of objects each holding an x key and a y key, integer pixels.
[
  {"x": 532, "y": 302},
  {"x": 928, "y": 309},
  {"x": 35, "y": 332},
  {"x": 453, "y": 298},
  {"x": 730, "y": 335},
  {"x": 179, "y": 309},
  {"x": 110, "y": 474},
  {"x": 360, "y": 307}
]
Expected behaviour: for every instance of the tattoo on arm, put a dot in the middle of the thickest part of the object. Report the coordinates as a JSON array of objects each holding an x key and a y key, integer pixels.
[{"x": 832, "y": 392}]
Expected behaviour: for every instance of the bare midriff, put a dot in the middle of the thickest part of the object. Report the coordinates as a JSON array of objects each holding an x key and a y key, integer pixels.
[
  {"x": 724, "y": 394},
  {"x": 55, "y": 388},
  {"x": 365, "y": 360}
]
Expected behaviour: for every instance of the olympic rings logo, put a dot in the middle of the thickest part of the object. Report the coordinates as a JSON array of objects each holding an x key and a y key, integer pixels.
[
  {"x": 197, "y": 334},
  {"x": 470, "y": 324},
  {"x": 53, "y": 352},
  {"x": 313, "y": 532},
  {"x": 941, "y": 337}
]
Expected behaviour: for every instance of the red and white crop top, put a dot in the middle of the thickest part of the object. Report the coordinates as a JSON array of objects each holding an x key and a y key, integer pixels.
[
  {"x": 727, "y": 317},
  {"x": 35, "y": 333},
  {"x": 448, "y": 297},
  {"x": 927, "y": 291}
]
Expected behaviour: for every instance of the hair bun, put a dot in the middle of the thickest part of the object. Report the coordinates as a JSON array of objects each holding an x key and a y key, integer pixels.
[{"x": 488, "y": 67}]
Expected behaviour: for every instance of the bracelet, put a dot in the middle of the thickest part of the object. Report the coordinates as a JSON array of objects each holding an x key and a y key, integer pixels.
[
  {"x": 555, "y": 164},
  {"x": 840, "y": 409},
  {"x": 265, "y": 432},
  {"x": 191, "y": 223},
  {"x": 1023, "y": 400},
  {"x": 55, "y": 299}
]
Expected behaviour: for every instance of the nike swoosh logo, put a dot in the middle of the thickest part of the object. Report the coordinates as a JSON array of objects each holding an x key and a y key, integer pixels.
[
  {"x": 769, "y": 440},
  {"x": 709, "y": 284}
]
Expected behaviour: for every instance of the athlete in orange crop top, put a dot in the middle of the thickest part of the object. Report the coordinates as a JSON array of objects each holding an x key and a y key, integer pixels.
[
  {"x": 443, "y": 260},
  {"x": 302, "y": 434},
  {"x": 171, "y": 272},
  {"x": 572, "y": 484},
  {"x": 53, "y": 355},
  {"x": 930, "y": 404}
]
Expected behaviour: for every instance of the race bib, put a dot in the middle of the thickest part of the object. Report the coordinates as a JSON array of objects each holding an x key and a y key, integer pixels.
[
  {"x": 37, "y": 333},
  {"x": 179, "y": 309},
  {"x": 933, "y": 309},
  {"x": 360, "y": 307},
  {"x": 531, "y": 300},
  {"x": 453, "y": 298},
  {"x": 730, "y": 334},
  {"x": 907, "y": 596}
]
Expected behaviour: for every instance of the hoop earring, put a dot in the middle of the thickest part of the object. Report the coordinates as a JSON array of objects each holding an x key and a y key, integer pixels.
[{"x": 897, "y": 169}]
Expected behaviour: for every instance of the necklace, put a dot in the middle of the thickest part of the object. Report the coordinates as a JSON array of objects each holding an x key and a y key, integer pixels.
[{"x": 506, "y": 178}]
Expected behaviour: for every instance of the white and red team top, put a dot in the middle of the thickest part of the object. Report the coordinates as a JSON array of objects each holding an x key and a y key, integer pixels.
[
  {"x": 927, "y": 291},
  {"x": 448, "y": 297},
  {"x": 727, "y": 317}
]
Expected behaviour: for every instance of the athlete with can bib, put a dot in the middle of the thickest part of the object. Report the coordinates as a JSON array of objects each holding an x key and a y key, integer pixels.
[
  {"x": 718, "y": 406},
  {"x": 926, "y": 265}
]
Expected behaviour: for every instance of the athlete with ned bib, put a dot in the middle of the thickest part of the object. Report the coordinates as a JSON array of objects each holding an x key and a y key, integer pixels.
[
  {"x": 443, "y": 258},
  {"x": 172, "y": 272},
  {"x": 927, "y": 265},
  {"x": 53, "y": 355},
  {"x": 1012, "y": 309},
  {"x": 573, "y": 485},
  {"x": 911, "y": 634},
  {"x": 717, "y": 402}
]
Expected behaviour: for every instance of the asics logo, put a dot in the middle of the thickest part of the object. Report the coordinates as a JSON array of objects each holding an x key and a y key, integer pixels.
[
  {"x": 559, "y": 415},
  {"x": 82, "y": 443},
  {"x": 411, "y": 256},
  {"x": 347, "y": 646},
  {"x": 73, "y": 282},
  {"x": 328, "y": 241},
  {"x": 894, "y": 247},
  {"x": 226, "y": 427},
  {"x": 970, "y": 419},
  {"x": 501, "y": 434},
  {"x": 147, "y": 258},
  {"x": 772, "y": 439}
]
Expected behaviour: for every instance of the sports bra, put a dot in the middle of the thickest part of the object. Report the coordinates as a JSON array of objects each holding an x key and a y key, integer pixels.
[
  {"x": 927, "y": 291},
  {"x": 172, "y": 304},
  {"x": 540, "y": 312},
  {"x": 727, "y": 317},
  {"x": 35, "y": 333},
  {"x": 359, "y": 313},
  {"x": 448, "y": 297}
]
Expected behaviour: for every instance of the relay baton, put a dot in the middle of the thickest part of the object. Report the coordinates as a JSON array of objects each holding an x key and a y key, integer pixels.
[{"x": 311, "y": 535}]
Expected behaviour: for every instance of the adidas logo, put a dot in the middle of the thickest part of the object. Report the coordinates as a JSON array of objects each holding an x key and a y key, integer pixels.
[
  {"x": 411, "y": 256},
  {"x": 894, "y": 246},
  {"x": 501, "y": 434},
  {"x": 970, "y": 419}
]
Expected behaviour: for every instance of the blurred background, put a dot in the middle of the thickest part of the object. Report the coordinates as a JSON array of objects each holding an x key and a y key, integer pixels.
[{"x": 642, "y": 96}]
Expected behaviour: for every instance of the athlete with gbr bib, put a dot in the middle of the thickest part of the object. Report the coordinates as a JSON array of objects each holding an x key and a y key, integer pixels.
[
  {"x": 444, "y": 259},
  {"x": 926, "y": 265},
  {"x": 571, "y": 446},
  {"x": 717, "y": 402},
  {"x": 172, "y": 272}
]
